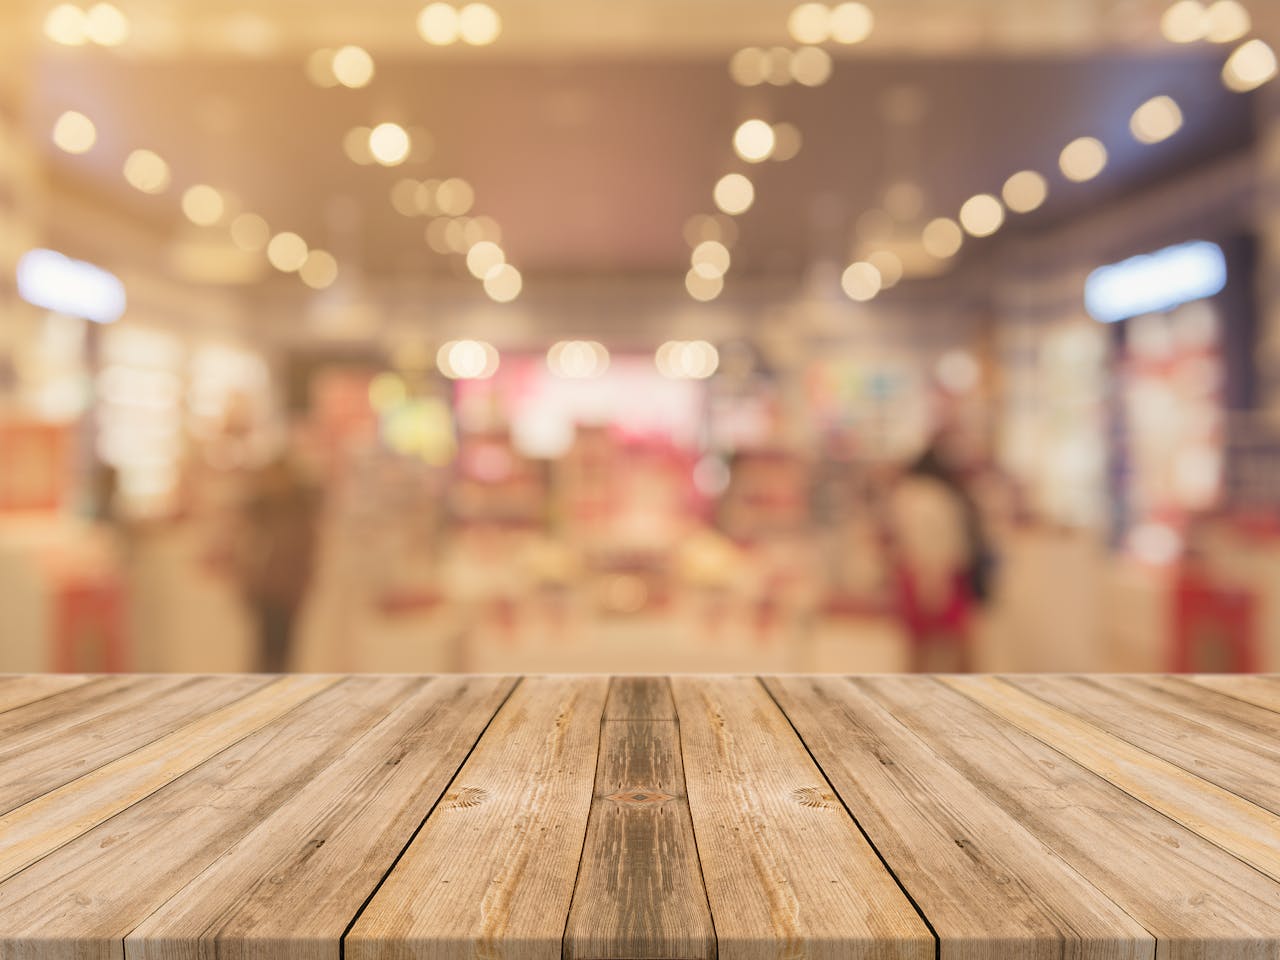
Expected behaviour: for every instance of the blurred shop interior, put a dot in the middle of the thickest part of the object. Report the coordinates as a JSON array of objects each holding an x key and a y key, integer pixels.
[{"x": 647, "y": 335}]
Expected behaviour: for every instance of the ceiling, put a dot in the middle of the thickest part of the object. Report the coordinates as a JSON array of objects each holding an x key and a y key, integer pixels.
[{"x": 592, "y": 131}]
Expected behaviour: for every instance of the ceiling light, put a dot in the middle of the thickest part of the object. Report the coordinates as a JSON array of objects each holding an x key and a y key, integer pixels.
[
  {"x": 687, "y": 359},
  {"x": 287, "y": 252},
  {"x": 389, "y": 144},
  {"x": 861, "y": 281},
  {"x": 749, "y": 67},
  {"x": 577, "y": 359},
  {"x": 810, "y": 23},
  {"x": 503, "y": 283},
  {"x": 484, "y": 257},
  {"x": 889, "y": 265},
  {"x": 734, "y": 194},
  {"x": 250, "y": 232},
  {"x": 851, "y": 22},
  {"x": 356, "y": 146},
  {"x": 66, "y": 24},
  {"x": 203, "y": 205},
  {"x": 786, "y": 141},
  {"x": 701, "y": 287},
  {"x": 105, "y": 25},
  {"x": 811, "y": 66},
  {"x": 479, "y": 24},
  {"x": 455, "y": 196},
  {"x": 942, "y": 238},
  {"x": 1025, "y": 191},
  {"x": 438, "y": 24},
  {"x": 74, "y": 132},
  {"x": 320, "y": 68},
  {"x": 754, "y": 140},
  {"x": 1185, "y": 22},
  {"x": 1249, "y": 67},
  {"x": 319, "y": 270},
  {"x": 710, "y": 259},
  {"x": 982, "y": 215},
  {"x": 352, "y": 67},
  {"x": 146, "y": 170},
  {"x": 777, "y": 66},
  {"x": 1083, "y": 159},
  {"x": 1156, "y": 120},
  {"x": 1228, "y": 20},
  {"x": 467, "y": 360}
]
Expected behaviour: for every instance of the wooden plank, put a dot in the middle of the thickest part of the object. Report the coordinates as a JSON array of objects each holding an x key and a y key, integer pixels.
[
  {"x": 1233, "y": 823},
  {"x": 787, "y": 872},
  {"x": 76, "y": 737},
  {"x": 639, "y": 892},
  {"x": 80, "y": 901},
  {"x": 990, "y": 889},
  {"x": 327, "y": 848},
  {"x": 18, "y": 690},
  {"x": 492, "y": 871},
  {"x": 1199, "y": 902},
  {"x": 39, "y": 826},
  {"x": 1243, "y": 757},
  {"x": 1262, "y": 691},
  {"x": 639, "y": 698}
]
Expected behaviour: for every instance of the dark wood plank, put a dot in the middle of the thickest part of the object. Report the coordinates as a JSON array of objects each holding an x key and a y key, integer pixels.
[
  {"x": 787, "y": 872},
  {"x": 639, "y": 892},
  {"x": 1262, "y": 691},
  {"x": 1200, "y": 902},
  {"x": 990, "y": 889},
  {"x": 326, "y": 848},
  {"x": 17, "y": 690},
  {"x": 79, "y": 902},
  {"x": 492, "y": 872}
]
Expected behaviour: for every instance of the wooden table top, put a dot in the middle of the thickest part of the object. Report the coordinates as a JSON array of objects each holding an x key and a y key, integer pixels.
[{"x": 370, "y": 817}]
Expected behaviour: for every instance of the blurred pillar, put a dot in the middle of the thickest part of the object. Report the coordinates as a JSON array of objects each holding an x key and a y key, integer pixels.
[{"x": 1268, "y": 225}]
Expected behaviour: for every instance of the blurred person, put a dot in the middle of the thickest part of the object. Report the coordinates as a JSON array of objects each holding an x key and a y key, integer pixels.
[
  {"x": 277, "y": 552},
  {"x": 941, "y": 561}
]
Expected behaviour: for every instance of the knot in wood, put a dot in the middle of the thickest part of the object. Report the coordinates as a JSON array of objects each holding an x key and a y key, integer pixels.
[
  {"x": 640, "y": 795},
  {"x": 814, "y": 797}
]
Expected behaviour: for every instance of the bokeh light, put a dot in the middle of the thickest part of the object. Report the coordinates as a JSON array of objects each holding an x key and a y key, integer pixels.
[
  {"x": 734, "y": 194},
  {"x": 1083, "y": 159},
  {"x": 73, "y": 132}
]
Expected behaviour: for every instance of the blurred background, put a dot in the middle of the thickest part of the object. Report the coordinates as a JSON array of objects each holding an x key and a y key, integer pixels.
[{"x": 668, "y": 335}]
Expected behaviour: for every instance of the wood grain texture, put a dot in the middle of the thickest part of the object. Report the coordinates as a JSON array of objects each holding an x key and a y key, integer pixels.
[
  {"x": 18, "y": 690},
  {"x": 787, "y": 872},
  {"x": 1220, "y": 816},
  {"x": 40, "y": 826},
  {"x": 81, "y": 901},
  {"x": 990, "y": 889},
  {"x": 1261, "y": 691},
  {"x": 79, "y": 731},
  {"x": 492, "y": 872},
  {"x": 1172, "y": 721},
  {"x": 639, "y": 892},
  {"x": 326, "y": 848}
]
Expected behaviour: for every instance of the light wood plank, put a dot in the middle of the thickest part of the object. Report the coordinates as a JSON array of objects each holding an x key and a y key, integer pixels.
[
  {"x": 990, "y": 889},
  {"x": 18, "y": 690},
  {"x": 1200, "y": 902},
  {"x": 639, "y": 698},
  {"x": 327, "y": 848},
  {"x": 1242, "y": 759},
  {"x": 1262, "y": 691},
  {"x": 639, "y": 892},
  {"x": 79, "y": 733},
  {"x": 39, "y": 826},
  {"x": 787, "y": 872},
  {"x": 492, "y": 872},
  {"x": 1233, "y": 823},
  {"x": 80, "y": 901}
]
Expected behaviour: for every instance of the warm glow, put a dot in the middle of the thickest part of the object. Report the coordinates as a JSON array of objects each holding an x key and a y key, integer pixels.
[
  {"x": 942, "y": 238},
  {"x": 702, "y": 287},
  {"x": 1186, "y": 21},
  {"x": 1156, "y": 120},
  {"x": 810, "y": 23},
  {"x": 710, "y": 259},
  {"x": 889, "y": 266},
  {"x": 250, "y": 232},
  {"x": 356, "y": 146},
  {"x": 861, "y": 281},
  {"x": 319, "y": 270},
  {"x": 454, "y": 197},
  {"x": 749, "y": 67},
  {"x": 105, "y": 25},
  {"x": 578, "y": 359},
  {"x": 438, "y": 24},
  {"x": 1228, "y": 21},
  {"x": 753, "y": 141},
  {"x": 467, "y": 360},
  {"x": 786, "y": 141},
  {"x": 851, "y": 23},
  {"x": 687, "y": 359},
  {"x": 811, "y": 66},
  {"x": 74, "y": 133},
  {"x": 389, "y": 144},
  {"x": 503, "y": 283},
  {"x": 1025, "y": 191},
  {"x": 777, "y": 66},
  {"x": 1249, "y": 67},
  {"x": 1083, "y": 159},
  {"x": 320, "y": 68},
  {"x": 287, "y": 252},
  {"x": 352, "y": 67},
  {"x": 982, "y": 215},
  {"x": 734, "y": 194},
  {"x": 203, "y": 205},
  {"x": 146, "y": 170},
  {"x": 66, "y": 24},
  {"x": 479, "y": 24},
  {"x": 484, "y": 257}
]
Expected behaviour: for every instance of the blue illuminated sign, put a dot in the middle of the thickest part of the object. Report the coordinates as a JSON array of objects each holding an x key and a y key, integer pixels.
[{"x": 1155, "y": 282}]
